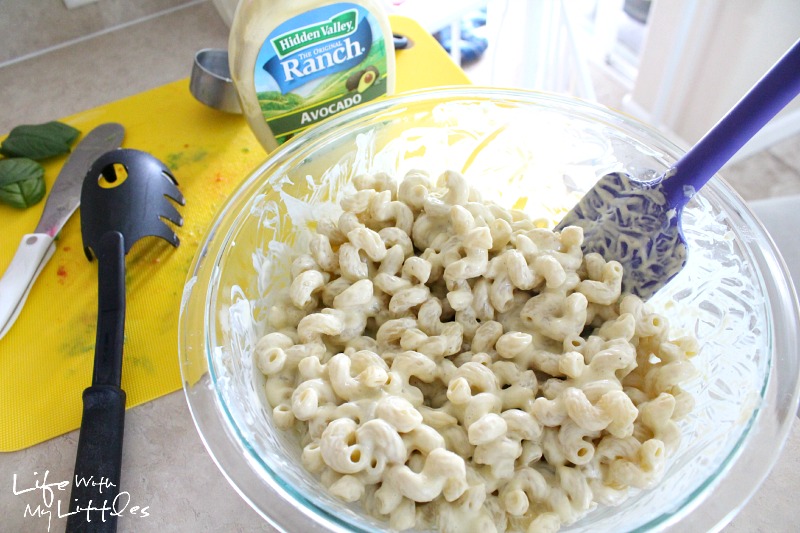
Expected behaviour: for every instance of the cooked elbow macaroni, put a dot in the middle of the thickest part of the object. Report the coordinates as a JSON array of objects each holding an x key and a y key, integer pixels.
[{"x": 450, "y": 364}]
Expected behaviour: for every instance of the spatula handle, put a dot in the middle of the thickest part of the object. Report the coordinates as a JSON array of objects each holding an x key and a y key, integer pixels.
[
  {"x": 779, "y": 86},
  {"x": 110, "y": 309},
  {"x": 98, "y": 462},
  {"x": 94, "y": 503}
]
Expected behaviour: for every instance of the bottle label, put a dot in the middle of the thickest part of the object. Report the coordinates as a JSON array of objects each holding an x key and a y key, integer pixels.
[{"x": 318, "y": 64}]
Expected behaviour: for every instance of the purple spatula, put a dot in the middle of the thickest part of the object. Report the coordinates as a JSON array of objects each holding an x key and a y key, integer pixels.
[{"x": 638, "y": 223}]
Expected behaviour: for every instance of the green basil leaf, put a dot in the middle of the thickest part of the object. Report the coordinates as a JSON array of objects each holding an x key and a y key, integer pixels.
[
  {"x": 21, "y": 182},
  {"x": 39, "y": 141}
]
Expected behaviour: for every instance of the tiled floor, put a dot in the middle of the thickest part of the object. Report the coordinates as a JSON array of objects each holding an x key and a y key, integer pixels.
[
  {"x": 773, "y": 172},
  {"x": 136, "y": 57},
  {"x": 112, "y": 65},
  {"x": 30, "y": 27}
]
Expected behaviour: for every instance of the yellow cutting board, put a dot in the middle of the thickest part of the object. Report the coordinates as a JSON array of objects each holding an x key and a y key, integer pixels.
[{"x": 46, "y": 358}]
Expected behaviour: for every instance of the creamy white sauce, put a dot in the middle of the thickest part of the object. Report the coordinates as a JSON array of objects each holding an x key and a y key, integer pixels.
[{"x": 624, "y": 220}]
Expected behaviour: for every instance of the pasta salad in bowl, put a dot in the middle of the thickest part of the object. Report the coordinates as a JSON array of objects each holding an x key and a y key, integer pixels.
[{"x": 383, "y": 332}]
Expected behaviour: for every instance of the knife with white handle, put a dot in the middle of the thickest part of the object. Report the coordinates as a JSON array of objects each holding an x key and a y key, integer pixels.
[{"x": 36, "y": 248}]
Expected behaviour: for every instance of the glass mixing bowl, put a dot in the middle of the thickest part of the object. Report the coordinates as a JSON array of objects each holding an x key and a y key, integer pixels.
[{"x": 540, "y": 153}]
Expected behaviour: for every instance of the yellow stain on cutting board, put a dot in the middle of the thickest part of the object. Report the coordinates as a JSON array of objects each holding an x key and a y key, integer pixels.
[{"x": 46, "y": 358}]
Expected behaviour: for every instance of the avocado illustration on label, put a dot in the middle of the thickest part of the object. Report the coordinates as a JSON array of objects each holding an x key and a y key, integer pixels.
[
  {"x": 361, "y": 80},
  {"x": 367, "y": 79},
  {"x": 352, "y": 81}
]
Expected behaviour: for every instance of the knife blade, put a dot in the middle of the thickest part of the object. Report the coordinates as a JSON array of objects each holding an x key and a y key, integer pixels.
[{"x": 35, "y": 249}]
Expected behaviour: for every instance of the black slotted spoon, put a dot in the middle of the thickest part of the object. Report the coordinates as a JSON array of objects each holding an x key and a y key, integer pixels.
[{"x": 124, "y": 197}]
